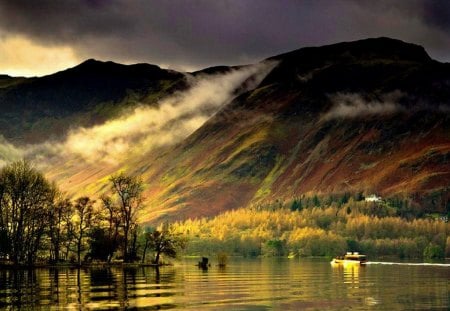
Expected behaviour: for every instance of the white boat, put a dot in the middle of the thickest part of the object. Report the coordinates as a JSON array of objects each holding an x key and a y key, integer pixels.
[{"x": 350, "y": 258}]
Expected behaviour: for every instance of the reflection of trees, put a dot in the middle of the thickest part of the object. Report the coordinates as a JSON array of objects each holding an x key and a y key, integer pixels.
[
  {"x": 21, "y": 287},
  {"x": 83, "y": 287},
  {"x": 129, "y": 280},
  {"x": 108, "y": 280},
  {"x": 158, "y": 275},
  {"x": 102, "y": 277},
  {"x": 54, "y": 283},
  {"x": 79, "y": 288},
  {"x": 103, "y": 287}
]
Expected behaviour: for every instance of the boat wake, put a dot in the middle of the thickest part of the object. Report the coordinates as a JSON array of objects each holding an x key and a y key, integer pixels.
[{"x": 407, "y": 263}]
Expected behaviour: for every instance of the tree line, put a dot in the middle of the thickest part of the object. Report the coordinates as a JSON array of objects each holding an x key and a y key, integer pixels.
[
  {"x": 39, "y": 223},
  {"x": 278, "y": 229}
]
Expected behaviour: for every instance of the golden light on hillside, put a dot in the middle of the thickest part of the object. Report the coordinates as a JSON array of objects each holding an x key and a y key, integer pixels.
[{"x": 20, "y": 56}]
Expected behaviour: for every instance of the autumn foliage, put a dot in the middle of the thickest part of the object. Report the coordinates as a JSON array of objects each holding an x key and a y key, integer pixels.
[{"x": 315, "y": 231}]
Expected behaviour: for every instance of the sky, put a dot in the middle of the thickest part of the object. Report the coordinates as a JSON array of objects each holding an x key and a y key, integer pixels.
[{"x": 42, "y": 37}]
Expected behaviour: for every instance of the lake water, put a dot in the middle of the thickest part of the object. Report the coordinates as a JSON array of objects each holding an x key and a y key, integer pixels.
[{"x": 258, "y": 284}]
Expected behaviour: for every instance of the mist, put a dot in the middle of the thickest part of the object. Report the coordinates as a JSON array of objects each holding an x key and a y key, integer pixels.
[
  {"x": 354, "y": 105},
  {"x": 8, "y": 152},
  {"x": 146, "y": 128}
]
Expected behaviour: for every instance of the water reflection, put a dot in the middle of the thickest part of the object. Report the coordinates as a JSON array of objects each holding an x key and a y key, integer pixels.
[
  {"x": 242, "y": 285},
  {"x": 350, "y": 273},
  {"x": 16, "y": 288},
  {"x": 94, "y": 288}
]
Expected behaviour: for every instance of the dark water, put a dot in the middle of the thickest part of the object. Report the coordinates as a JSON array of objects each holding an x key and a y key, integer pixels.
[{"x": 260, "y": 284}]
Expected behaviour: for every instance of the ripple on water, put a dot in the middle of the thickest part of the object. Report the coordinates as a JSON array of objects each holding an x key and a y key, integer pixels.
[{"x": 242, "y": 285}]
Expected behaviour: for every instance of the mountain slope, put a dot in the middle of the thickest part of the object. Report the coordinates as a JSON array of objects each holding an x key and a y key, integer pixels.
[
  {"x": 370, "y": 116},
  {"x": 35, "y": 109}
]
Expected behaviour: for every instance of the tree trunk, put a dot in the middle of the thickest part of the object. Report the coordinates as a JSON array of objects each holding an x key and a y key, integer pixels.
[
  {"x": 134, "y": 247},
  {"x": 145, "y": 250},
  {"x": 125, "y": 246},
  {"x": 79, "y": 252},
  {"x": 56, "y": 257},
  {"x": 158, "y": 253},
  {"x": 58, "y": 245}
]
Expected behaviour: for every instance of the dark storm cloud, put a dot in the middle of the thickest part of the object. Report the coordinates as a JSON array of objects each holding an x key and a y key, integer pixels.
[
  {"x": 202, "y": 33},
  {"x": 437, "y": 13}
]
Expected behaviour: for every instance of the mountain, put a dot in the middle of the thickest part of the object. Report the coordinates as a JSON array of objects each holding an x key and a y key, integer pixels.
[
  {"x": 369, "y": 116},
  {"x": 35, "y": 109}
]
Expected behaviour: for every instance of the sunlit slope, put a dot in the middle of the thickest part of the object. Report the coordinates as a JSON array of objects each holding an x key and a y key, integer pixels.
[
  {"x": 369, "y": 121},
  {"x": 369, "y": 116},
  {"x": 139, "y": 141}
]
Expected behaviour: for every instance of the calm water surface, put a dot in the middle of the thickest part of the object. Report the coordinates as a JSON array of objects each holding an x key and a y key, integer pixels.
[{"x": 260, "y": 284}]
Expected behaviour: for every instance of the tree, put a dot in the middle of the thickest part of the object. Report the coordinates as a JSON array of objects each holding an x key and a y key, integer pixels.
[
  {"x": 4, "y": 243},
  {"x": 433, "y": 251},
  {"x": 83, "y": 220},
  {"x": 128, "y": 191},
  {"x": 447, "y": 247},
  {"x": 100, "y": 244},
  {"x": 344, "y": 198},
  {"x": 316, "y": 201},
  {"x": 111, "y": 238},
  {"x": 26, "y": 198},
  {"x": 162, "y": 242},
  {"x": 296, "y": 205},
  {"x": 59, "y": 226},
  {"x": 274, "y": 247}
]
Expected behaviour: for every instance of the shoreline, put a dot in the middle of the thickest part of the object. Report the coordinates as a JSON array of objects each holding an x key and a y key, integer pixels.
[
  {"x": 381, "y": 259},
  {"x": 11, "y": 266}
]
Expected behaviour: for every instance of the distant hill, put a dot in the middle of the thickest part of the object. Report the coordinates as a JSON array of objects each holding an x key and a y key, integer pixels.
[
  {"x": 35, "y": 109},
  {"x": 369, "y": 116}
]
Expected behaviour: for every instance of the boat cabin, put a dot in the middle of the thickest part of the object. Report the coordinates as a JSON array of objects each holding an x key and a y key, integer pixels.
[
  {"x": 354, "y": 256},
  {"x": 349, "y": 258}
]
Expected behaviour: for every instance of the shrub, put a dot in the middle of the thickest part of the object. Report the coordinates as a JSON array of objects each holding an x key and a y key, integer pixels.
[{"x": 433, "y": 251}]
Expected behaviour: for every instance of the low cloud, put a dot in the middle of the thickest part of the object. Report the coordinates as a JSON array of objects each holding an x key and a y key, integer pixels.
[
  {"x": 354, "y": 106},
  {"x": 8, "y": 152},
  {"x": 174, "y": 119},
  {"x": 146, "y": 127}
]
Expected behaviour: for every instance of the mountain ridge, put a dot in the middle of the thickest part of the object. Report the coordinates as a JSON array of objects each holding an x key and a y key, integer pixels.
[
  {"x": 369, "y": 116},
  {"x": 82, "y": 95},
  {"x": 279, "y": 146}
]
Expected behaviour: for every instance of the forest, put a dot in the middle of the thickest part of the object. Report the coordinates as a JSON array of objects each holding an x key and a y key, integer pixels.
[
  {"x": 311, "y": 226},
  {"x": 40, "y": 225}
]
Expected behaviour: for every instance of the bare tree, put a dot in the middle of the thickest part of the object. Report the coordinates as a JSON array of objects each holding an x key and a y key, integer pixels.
[
  {"x": 83, "y": 219},
  {"x": 128, "y": 191},
  {"x": 59, "y": 226},
  {"x": 25, "y": 200},
  {"x": 114, "y": 220}
]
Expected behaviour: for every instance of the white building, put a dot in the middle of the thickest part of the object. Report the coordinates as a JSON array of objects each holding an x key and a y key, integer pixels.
[{"x": 373, "y": 198}]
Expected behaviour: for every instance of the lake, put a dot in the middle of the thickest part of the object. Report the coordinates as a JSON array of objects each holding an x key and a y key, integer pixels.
[{"x": 245, "y": 284}]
